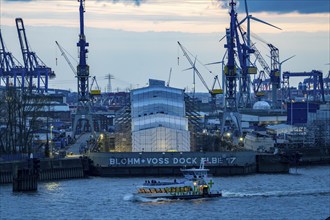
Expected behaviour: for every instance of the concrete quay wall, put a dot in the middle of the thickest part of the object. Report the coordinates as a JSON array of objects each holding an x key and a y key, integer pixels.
[{"x": 50, "y": 169}]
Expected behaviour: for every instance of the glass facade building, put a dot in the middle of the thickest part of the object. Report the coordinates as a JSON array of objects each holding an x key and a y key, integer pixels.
[{"x": 159, "y": 120}]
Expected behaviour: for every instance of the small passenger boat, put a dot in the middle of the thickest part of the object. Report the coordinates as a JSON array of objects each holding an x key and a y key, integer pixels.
[{"x": 196, "y": 184}]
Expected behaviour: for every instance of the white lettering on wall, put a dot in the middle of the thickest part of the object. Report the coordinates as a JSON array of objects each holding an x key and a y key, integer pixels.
[{"x": 169, "y": 161}]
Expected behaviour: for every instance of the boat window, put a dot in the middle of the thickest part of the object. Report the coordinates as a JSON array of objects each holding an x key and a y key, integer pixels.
[{"x": 153, "y": 190}]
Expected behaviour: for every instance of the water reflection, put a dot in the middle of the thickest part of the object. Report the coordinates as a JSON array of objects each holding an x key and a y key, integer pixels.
[{"x": 52, "y": 186}]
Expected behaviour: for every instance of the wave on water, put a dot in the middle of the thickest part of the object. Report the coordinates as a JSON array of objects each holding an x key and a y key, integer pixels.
[
  {"x": 136, "y": 198},
  {"x": 228, "y": 194}
]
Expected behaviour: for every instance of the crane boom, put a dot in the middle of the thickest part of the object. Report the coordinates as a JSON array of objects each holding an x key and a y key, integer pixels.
[
  {"x": 194, "y": 67},
  {"x": 66, "y": 58}
]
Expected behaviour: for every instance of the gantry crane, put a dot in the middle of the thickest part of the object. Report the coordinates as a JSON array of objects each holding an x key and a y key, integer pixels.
[
  {"x": 318, "y": 86},
  {"x": 11, "y": 71},
  {"x": 326, "y": 82},
  {"x": 34, "y": 66}
]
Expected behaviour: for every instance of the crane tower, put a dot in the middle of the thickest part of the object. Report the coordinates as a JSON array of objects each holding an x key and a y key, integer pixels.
[
  {"x": 83, "y": 120},
  {"x": 231, "y": 76}
]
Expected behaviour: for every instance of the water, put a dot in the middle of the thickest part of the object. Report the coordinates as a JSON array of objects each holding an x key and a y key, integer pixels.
[{"x": 305, "y": 195}]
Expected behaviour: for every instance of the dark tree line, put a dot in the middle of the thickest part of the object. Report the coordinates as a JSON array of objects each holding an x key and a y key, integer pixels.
[{"x": 19, "y": 118}]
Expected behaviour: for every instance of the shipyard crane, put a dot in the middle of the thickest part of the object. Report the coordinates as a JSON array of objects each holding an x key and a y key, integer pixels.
[
  {"x": 82, "y": 68},
  {"x": 84, "y": 117},
  {"x": 92, "y": 91},
  {"x": 247, "y": 37},
  {"x": 247, "y": 18},
  {"x": 275, "y": 74},
  {"x": 231, "y": 76},
  {"x": 34, "y": 66},
  {"x": 11, "y": 71}
]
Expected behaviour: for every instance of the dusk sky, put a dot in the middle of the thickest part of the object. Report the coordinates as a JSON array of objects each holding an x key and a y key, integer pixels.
[{"x": 137, "y": 40}]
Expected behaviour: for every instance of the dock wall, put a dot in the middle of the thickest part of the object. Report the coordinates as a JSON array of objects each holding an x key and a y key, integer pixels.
[
  {"x": 50, "y": 169},
  {"x": 170, "y": 163}
]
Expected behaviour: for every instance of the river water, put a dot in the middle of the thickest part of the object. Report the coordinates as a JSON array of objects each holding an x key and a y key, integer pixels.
[{"x": 301, "y": 195}]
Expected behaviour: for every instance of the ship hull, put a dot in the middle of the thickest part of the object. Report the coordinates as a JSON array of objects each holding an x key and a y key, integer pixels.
[{"x": 179, "y": 197}]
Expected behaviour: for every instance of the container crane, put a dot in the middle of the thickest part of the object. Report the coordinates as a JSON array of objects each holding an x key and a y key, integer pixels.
[
  {"x": 34, "y": 66},
  {"x": 11, "y": 71},
  {"x": 318, "y": 85},
  {"x": 326, "y": 82}
]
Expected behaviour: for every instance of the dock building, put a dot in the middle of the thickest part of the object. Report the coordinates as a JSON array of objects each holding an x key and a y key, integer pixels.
[{"x": 159, "y": 120}]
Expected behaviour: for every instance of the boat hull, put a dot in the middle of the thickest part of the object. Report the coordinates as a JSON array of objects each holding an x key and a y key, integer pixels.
[{"x": 179, "y": 197}]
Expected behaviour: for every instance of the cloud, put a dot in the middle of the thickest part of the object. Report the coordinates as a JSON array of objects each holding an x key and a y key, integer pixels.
[
  {"x": 277, "y": 6},
  {"x": 136, "y": 2},
  {"x": 18, "y": 0},
  {"x": 283, "y": 6}
]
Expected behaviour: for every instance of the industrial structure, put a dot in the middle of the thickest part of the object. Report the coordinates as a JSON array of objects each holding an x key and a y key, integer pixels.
[
  {"x": 158, "y": 119},
  {"x": 231, "y": 76},
  {"x": 161, "y": 118},
  {"x": 33, "y": 76},
  {"x": 83, "y": 120}
]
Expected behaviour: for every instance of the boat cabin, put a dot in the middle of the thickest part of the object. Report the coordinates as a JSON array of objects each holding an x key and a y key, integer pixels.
[{"x": 193, "y": 174}]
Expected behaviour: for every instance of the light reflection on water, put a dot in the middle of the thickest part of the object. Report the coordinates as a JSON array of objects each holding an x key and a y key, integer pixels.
[
  {"x": 52, "y": 186},
  {"x": 262, "y": 196}
]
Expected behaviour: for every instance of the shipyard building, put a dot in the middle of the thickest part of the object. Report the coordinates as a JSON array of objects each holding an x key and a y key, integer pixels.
[{"x": 159, "y": 120}]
